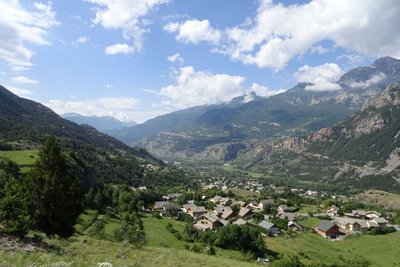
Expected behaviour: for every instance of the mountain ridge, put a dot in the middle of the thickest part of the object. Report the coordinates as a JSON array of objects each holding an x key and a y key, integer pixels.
[{"x": 194, "y": 132}]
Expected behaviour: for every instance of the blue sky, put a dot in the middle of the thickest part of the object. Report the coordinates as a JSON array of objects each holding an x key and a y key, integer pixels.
[{"x": 136, "y": 59}]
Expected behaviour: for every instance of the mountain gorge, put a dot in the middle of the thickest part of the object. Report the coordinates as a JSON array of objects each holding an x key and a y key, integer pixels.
[{"x": 221, "y": 132}]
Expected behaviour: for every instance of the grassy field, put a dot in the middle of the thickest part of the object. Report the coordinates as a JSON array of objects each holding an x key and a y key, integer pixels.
[
  {"x": 21, "y": 157},
  {"x": 382, "y": 250},
  {"x": 309, "y": 209},
  {"x": 85, "y": 251},
  {"x": 242, "y": 192},
  {"x": 310, "y": 222}
]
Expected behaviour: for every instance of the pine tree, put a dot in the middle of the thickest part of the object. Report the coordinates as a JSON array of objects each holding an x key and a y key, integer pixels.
[{"x": 53, "y": 194}]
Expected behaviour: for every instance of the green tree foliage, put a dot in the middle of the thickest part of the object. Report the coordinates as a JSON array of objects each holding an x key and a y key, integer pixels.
[
  {"x": 53, "y": 195},
  {"x": 13, "y": 213}
]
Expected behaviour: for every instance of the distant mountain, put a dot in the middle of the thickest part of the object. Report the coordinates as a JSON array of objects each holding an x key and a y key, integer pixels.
[
  {"x": 98, "y": 157},
  {"x": 101, "y": 123},
  {"x": 363, "y": 150},
  {"x": 209, "y": 132}
]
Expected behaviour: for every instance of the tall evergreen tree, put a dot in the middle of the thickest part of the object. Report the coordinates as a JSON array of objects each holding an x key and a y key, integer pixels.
[{"x": 53, "y": 194}]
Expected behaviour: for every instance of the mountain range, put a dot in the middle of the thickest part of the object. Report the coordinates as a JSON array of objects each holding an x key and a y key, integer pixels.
[
  {"x": 220, "y": 132},
  {"x": 363, "y": 150},
  {"x": 101, "y": 123}
]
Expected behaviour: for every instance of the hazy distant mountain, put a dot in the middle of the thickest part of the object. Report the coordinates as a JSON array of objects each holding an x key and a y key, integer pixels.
[
  {"x": 101, "y": 123},
  {"x": 209, "y": 132},
  {"x": 98, "y": 157}
]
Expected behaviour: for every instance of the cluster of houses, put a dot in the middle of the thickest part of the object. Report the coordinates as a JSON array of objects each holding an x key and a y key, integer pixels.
[
  {"x": 227, "y": 211},
  {"x": 356, "y": 221}
]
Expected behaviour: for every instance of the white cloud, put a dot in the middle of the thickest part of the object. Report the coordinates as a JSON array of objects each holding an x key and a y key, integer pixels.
[
  {"x": 23, "y": 79},
  {"x": 372, "y": 81},
  {"x": 277, "y": 33},
  {"x": 18, "y": 26},
  {"x": 20, "y": 91},
  {"x": 194, "y": 31},
  {"x": 175, "y": 58},
  {"x": 82, "y": 40},
  {"x": 119, "y": 49},
  {"x": 195, "y": 88},
  {"x": 264, "y": 91},
  {"x": 119, "y": 107},
  {"x": 322, "y": 77},
  {"x": 126, "y": 15},
  {"x": 109, "y": 86}
]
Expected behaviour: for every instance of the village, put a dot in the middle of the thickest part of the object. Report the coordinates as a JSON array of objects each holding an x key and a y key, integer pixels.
[{"x": 274, "y": 216}]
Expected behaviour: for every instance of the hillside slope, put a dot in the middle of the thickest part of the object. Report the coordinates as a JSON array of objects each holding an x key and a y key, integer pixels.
[
  {"x": 25, "y": 124},
  {"x": 363, "y": 150}
]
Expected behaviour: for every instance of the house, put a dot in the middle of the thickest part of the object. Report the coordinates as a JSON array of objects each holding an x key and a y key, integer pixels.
[
  {"x": 282, "y": 209},
  {"x": 207, "y": 221},
  {"x": 241, "y": 204},
  {"x": 373, "y": 214},
  {"x": 197, "y": 211},
  {"x": 216, "y": 199},
  {"x": 159, "y": 205},
  {"x": 332, "y": 211},
  {"x": 351, "y": 224},
  {"x": 218, "y": 210},
  {"x": 228, "y": 213},
  {"x": 245, "y": 213},
  {"x": 266, "y": 202},
  {"x": 240, "y": 221},
  {"x": 170, "y": 210},
  {"x": 188, "y": 207},
  {"x": 380, "y": 221},
  {"x": 327, "y": 229},
  {"x": 225, "y": 201},
  {"x": 272, "y": 229},
  {"x": 253, "y": 204},
  {"x": 357, "y": 214},
  {"x": 293, "y": 226}
]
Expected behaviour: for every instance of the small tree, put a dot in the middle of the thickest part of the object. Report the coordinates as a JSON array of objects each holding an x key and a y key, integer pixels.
[
  {"x": 53, "y": 194},
  {"x": 13, "y": 213}
]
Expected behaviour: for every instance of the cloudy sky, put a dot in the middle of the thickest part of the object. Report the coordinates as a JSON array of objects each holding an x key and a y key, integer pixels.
[{"x": 136, "y": 59}]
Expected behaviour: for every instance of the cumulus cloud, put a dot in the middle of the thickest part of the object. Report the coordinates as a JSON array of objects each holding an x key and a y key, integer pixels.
[
  {"x": 19, "y": 26},
  {"x": 194, "y": 31},
  {"x": 119, "y": 49},
  {"x": 279, "y": 33},
  {"x": 375, "y": 79},
  {"x": 127, "y": 16},
  {"x": 175, "y": 58},
  {"x": 323, "y": 77},
  {"x": 195, "y": 88},
  {"x": 23, "y": 79}
]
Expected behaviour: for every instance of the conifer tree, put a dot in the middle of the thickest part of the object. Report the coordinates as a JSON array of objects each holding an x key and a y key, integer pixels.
[{"x": 53, "y": 194}]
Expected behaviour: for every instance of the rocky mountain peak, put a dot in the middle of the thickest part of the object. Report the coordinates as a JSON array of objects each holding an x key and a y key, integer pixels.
[{"x": 389, "y": 97}]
